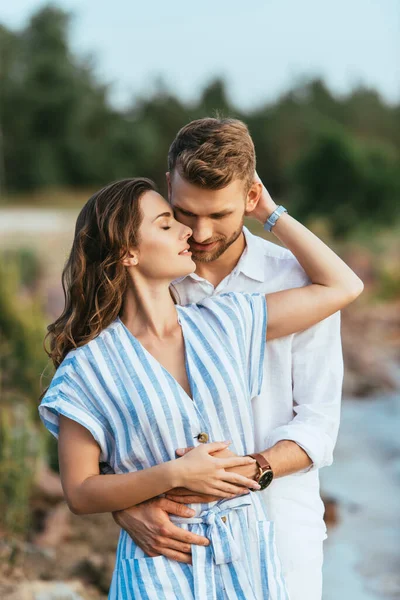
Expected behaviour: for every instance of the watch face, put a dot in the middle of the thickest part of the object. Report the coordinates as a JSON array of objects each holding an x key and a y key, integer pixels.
[{"x": 265, "y": 479}]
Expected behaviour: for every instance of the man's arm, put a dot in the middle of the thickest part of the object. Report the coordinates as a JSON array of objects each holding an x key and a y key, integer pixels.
[
  {"x": 285, "y": 457},
  {"x": 151, "y": 528},
  {"x": 317, "y": 377},
  {"x": 308, "y": 440}
]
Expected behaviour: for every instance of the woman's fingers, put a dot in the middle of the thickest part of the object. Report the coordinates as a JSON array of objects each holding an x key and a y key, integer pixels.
[
  {"x": 215, "y": 446},
  {"x": 235, "y": 461},
  {"x": 241, "y": 480},
  {"x": 229, "y": 489},
  {"x": 183, "y": 451}
]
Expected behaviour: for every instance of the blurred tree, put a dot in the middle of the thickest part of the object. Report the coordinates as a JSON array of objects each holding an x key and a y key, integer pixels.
[
  {"x": 347, "y": 182},
  {"x": 214, "y": 99},
  {"x": 59, "y": 128},
  {"x": 155, "y": 122}
]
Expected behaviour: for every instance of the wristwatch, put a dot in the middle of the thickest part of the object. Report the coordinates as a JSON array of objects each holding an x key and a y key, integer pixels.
[
  {"x": 272, "y": 219},
  {"x": 265, "y": 473}
]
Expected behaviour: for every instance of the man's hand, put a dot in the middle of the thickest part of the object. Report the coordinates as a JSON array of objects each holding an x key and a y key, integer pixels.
[
  {"x": 185, "y": 496},
  {"x": 265, "y": 205},
  {"x": 151, "y": 529}
]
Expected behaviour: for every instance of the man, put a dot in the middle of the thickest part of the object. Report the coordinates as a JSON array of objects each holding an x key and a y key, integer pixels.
[{"x": 296, "y": 417}]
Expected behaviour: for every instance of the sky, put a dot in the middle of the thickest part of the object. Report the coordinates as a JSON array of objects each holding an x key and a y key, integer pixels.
[{"x": 261, "y": 48}]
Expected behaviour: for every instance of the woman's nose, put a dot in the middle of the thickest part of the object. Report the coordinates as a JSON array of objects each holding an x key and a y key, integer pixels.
[{"x": 187, "y": 232}]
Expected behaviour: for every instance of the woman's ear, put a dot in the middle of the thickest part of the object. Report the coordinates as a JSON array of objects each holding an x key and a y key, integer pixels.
[
  {"x": 253, "y": 196},
  {"x": 130, "y": 259}
]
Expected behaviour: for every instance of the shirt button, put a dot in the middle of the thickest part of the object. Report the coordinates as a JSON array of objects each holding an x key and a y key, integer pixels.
[
  {"x": 203, "y": 438},
  {"x": 223, "y": 519}
]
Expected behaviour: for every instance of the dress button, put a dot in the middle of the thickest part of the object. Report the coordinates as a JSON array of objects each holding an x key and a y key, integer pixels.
[{"x": 203, "y": 438}]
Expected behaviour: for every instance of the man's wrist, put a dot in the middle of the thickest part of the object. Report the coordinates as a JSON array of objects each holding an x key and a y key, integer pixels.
[{"x": 253, "y": 471}]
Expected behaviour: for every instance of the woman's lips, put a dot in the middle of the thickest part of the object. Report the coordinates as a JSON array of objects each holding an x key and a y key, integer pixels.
[{"x": 204, "y": 247}]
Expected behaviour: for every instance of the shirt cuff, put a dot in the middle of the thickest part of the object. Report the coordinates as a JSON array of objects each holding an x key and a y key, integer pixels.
[{"x": 315, "y": 445}]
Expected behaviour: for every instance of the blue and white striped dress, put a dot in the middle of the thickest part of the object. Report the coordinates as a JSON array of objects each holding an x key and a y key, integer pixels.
[{"x": 139, "y": 414}]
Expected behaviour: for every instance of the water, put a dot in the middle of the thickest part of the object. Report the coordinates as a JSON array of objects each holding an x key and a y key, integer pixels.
[{"x": 362, "y": 553}]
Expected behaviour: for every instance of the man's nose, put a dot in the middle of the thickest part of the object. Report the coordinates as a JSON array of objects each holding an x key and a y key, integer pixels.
[{"x": 202, "y": 232}]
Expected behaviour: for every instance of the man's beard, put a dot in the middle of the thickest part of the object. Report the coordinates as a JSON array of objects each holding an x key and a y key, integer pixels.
[{"x": 223, "y": 245}]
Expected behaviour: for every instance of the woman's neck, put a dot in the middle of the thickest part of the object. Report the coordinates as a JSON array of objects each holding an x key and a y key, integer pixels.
[{"x": 149, "y": 310}]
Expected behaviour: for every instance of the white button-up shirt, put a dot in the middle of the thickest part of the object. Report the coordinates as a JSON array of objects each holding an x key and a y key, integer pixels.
[{"x": 301, "y": 392}]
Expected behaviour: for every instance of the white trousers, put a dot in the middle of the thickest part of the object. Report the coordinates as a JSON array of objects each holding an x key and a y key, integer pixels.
[
  {"x": 305, "y": 583},
  {"x": 301, "y": 561},
  {"x": 295, "y": 506}
]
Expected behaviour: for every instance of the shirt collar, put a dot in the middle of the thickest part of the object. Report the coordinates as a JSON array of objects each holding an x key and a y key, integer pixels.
[{"x": 250, "y": 263}]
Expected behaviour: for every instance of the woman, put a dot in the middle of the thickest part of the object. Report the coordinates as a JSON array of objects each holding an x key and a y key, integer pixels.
[{"x": 137, "y": 377}]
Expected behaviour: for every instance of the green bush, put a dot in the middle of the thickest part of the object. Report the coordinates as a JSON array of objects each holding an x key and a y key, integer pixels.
[
  {"x": 21, "y": 446},
  {"x": 22, "y": 360}
]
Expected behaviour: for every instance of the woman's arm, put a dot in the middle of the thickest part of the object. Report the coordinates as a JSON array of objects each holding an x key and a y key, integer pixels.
[
  {"x": 334, "y": 285},
  {"x": 87, "y": 492}
]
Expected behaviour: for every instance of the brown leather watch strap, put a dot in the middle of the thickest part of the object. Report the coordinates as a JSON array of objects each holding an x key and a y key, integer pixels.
[{"x": 261, "y": 461}]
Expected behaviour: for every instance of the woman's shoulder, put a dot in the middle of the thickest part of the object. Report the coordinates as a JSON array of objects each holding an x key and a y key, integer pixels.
[
  {"x": 230, "y": 300},
  {"x": 82, "y": 367},
  {"x": 91, "y": 351},
  {"x": 228, "y": 307}
]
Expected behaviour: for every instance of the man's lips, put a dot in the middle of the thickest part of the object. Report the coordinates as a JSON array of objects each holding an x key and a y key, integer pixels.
[{"x": 204, "y": 247}]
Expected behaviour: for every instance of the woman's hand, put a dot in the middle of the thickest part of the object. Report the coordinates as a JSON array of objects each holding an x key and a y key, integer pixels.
[
  {"x": 199, "y": 471},
  {"x": 184, "y": 496}
]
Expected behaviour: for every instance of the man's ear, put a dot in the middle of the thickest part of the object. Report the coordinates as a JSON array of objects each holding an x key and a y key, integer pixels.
[
  {"x": 168, "y": 177},
  {"x": 253, "y": 196}
]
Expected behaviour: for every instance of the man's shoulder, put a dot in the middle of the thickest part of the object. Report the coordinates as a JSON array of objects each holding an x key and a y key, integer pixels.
[
  {"x": 279, "y": 263},
  {"x": 271, "y": 250}
]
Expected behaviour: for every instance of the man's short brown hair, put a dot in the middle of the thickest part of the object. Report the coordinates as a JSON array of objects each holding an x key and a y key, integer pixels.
[{"x": 213, "y": 152}]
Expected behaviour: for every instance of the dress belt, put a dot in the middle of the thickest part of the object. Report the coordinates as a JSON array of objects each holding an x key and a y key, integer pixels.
[
  {"x": 224, "y": 547},
  {"x": 224, "y": 550}
]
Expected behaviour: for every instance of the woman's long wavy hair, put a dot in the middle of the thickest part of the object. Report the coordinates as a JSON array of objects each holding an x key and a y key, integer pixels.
[{"x": 94, "y": 279}]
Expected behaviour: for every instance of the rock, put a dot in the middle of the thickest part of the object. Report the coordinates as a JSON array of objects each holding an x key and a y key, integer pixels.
[
  {"x": 331, "y": 516},
  {"x": 56, "y": 527},
  {"x": 41, "y": 590},
  {"x": 95, "y": 570},
  {"x": 371, "y": 349},
  {"x": 47, "y": 485}
]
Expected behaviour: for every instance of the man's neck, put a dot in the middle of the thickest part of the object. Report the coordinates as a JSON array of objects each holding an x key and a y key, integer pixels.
[{"x": 216, "y": 270}]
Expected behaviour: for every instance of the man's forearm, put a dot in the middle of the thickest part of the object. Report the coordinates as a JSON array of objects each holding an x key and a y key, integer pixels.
[{"x": 286, "y": 458}]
